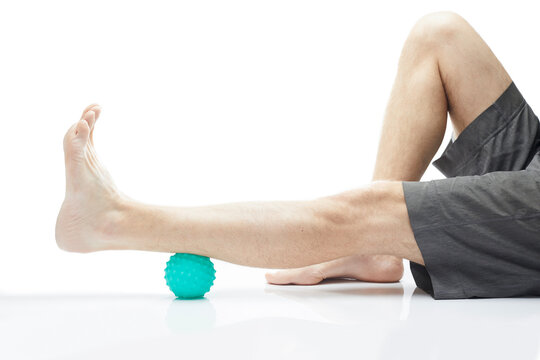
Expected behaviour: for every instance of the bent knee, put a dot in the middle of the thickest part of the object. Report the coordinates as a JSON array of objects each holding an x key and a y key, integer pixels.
[{"x": 438, "y": 28}]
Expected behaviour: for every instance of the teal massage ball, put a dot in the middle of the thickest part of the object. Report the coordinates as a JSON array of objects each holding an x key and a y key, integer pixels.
[{"x": 189, "y": 276}]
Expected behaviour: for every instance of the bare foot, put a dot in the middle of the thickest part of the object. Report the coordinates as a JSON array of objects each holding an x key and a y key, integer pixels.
[
  {"x": 92, "y": 198},
  {"x": 377, "y": 268}
]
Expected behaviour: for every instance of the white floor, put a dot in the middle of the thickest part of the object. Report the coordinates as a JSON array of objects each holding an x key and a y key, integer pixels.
[{"x": 336, "y": 318}]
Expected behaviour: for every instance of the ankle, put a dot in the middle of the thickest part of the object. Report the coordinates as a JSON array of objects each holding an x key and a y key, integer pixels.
[{"x": 112, "y": 228}]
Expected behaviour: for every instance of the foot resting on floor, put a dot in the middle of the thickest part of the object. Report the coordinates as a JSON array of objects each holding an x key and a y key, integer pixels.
[{"x": 376, "y": 268}]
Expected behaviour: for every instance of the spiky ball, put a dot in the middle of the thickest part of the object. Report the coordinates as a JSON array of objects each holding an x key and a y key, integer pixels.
[{"x": 189, "y": 276}]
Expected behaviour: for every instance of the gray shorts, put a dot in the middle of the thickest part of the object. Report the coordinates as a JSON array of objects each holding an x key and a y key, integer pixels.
[{"x": 479, "y": 229}]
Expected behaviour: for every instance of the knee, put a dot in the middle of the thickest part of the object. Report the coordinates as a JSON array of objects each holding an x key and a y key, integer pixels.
[
  {"x": 347, "y": 207},
  {"x": 439, "y": 28},
  {"x": 381, "y": 191}
]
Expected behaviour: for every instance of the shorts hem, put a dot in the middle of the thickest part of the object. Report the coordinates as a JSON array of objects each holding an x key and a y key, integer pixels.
[{"x": 492, "y": 121}]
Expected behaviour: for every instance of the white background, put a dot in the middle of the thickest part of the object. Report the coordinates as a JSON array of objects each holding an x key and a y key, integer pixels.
[{"x": 203, "y": 102}]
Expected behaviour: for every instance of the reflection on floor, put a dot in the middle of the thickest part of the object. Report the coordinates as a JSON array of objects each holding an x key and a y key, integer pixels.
[{"x": 336, "y": 318}]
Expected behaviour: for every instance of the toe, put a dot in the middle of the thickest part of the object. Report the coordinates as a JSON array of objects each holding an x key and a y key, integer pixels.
[
  {"x": 96, "y": 110},
  {"x": 277, "y": 278},
  {"x": 82, "y": 131},
  {"x": 74, "y": 142},
  {"x": 70, "y": 134},
  {"x": 309, "y": 275},
  {"x": 90, "y": 107},
  {"x": 90, "y": 118}
]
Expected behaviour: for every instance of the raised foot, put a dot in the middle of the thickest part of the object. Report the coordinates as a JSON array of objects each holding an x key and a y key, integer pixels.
[{"x": 92, "y": 203}]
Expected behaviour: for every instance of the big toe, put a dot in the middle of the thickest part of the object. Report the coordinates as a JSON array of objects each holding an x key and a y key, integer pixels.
[
  {"x": 91, "y": 117},
  {"x": 92, "y": 107},
  {"x": 76, "y": 138},
  {"x": 303, "y": 276},
  {"x": 82, "y": 130}
]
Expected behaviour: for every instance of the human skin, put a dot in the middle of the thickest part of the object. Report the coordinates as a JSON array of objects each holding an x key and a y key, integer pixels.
[
  {"x": 96, "y": 216},
  {"x": 445, "y": 68}
]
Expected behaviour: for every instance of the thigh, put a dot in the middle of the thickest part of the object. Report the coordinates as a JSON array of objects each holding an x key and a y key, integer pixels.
[
  {"x": 472, "y": 76},
  {"x": 478, "y": 235}
]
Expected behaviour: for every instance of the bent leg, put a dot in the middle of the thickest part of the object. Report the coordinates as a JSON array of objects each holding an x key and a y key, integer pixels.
[
  {"x": 445, "y": 67},
  {"x": 477, "y": 229}
]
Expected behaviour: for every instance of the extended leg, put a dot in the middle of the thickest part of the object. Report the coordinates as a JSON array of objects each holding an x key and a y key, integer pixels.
[
  {"x": 445, "y": 67},
  {"x": 96, "y": 216},
  {"x": 368, "y": 221}
]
